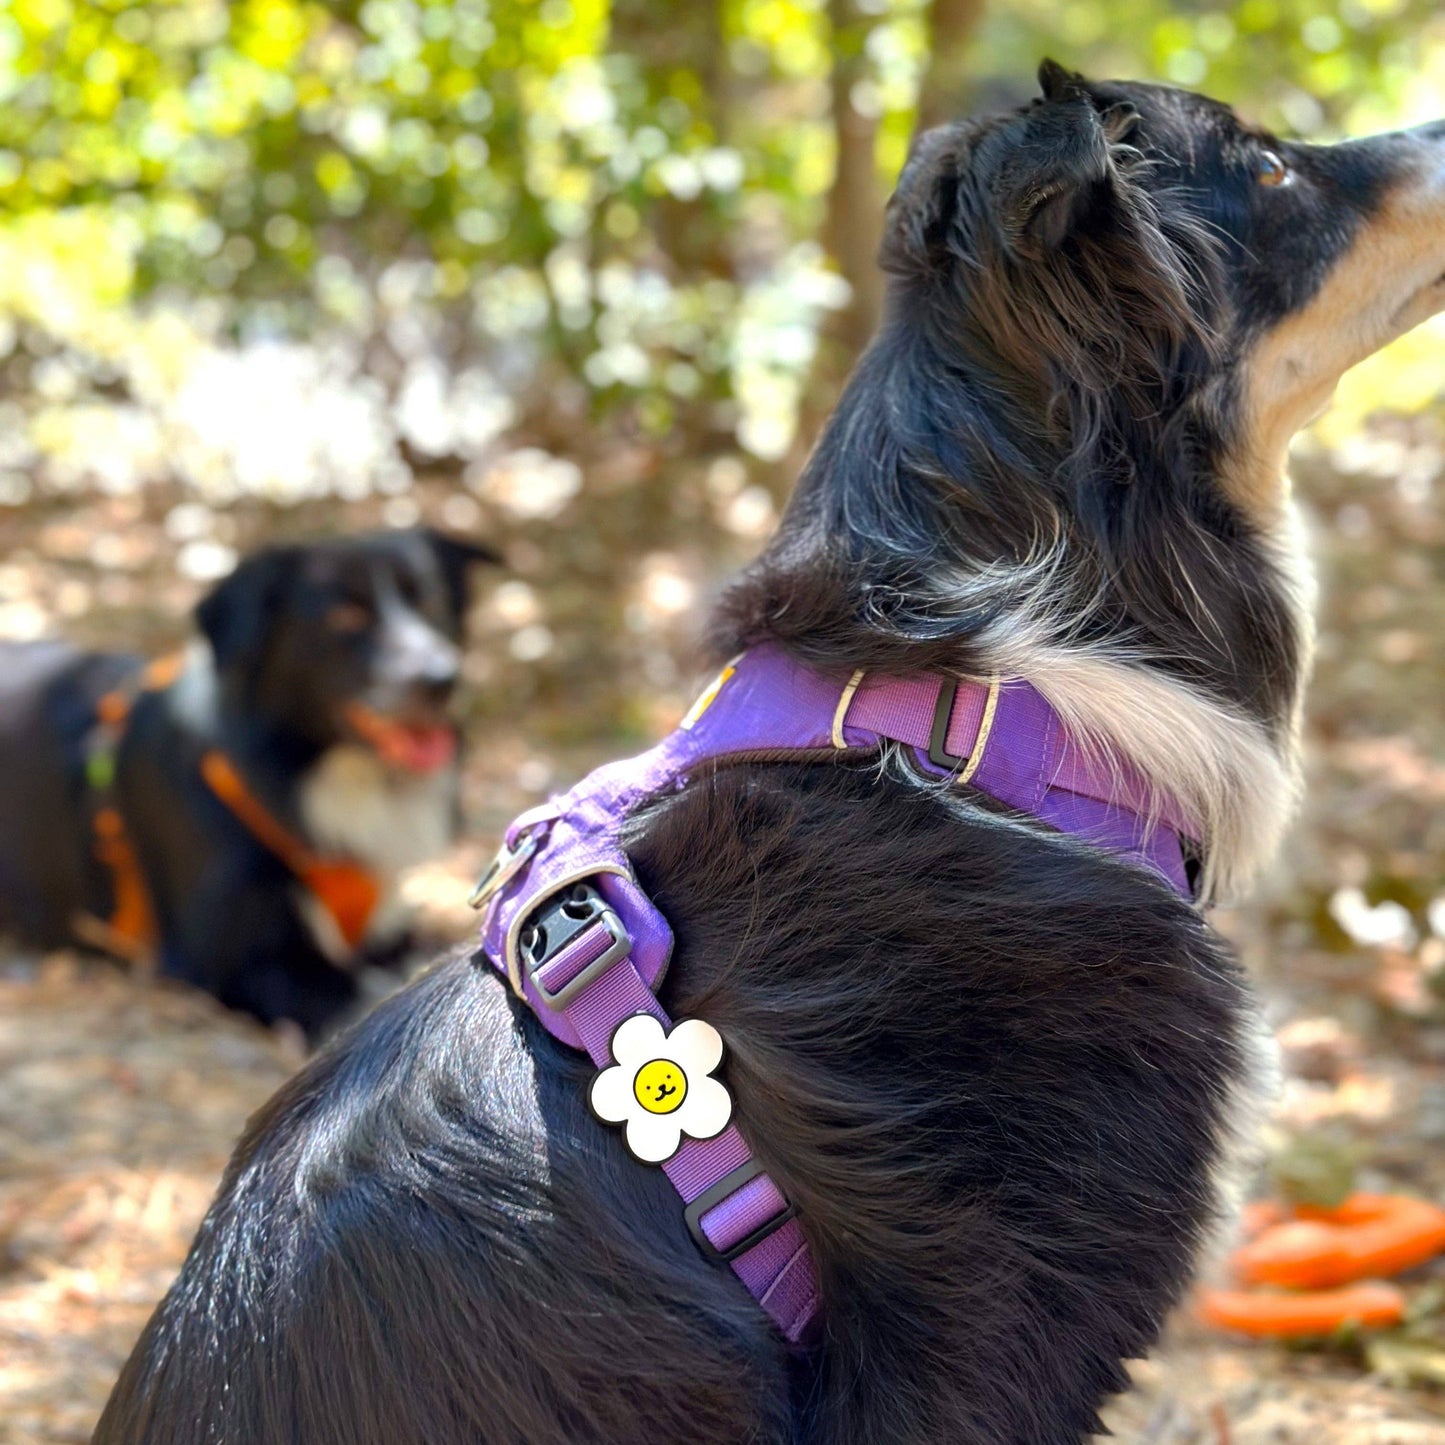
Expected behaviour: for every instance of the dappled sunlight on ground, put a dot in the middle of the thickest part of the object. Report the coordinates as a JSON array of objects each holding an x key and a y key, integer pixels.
[{"x": 122, "y": 1098}]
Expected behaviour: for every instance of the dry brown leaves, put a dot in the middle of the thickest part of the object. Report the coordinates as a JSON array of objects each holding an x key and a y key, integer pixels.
[{"x": 120, "y": 1104}]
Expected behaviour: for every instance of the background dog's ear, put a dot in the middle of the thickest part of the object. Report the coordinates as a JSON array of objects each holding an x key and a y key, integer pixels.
[
  {"x": 236, "y": 615},
  {"x": 457, "y": 558},
  {"x": 1058, "y": 174}
]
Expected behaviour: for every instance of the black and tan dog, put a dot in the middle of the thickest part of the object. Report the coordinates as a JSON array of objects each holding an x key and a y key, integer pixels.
[
  {"x": 240, "y": 814},
  {"x": 1006, "y": 1078}
]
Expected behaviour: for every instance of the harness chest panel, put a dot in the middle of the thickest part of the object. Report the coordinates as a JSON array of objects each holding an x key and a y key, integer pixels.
[{"x": 583, "y": 945}]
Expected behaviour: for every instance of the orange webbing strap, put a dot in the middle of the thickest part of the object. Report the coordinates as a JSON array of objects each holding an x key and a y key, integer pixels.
[
  {"x": 112, "y": 709},
  {"x": 347, "y": 891},
  {"x": 160, "y": 673},
  {"x": 130, "y": 931}
]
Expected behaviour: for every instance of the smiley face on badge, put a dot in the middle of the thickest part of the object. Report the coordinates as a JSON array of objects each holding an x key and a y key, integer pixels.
[{"x": 661, "y": 1087}]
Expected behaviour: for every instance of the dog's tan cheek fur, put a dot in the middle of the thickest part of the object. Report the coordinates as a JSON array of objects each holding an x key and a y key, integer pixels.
[{"x": 1362, "y": 306}]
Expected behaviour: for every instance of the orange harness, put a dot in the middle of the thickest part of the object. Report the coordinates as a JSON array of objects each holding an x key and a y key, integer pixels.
[{"x": 347, "y": 891}]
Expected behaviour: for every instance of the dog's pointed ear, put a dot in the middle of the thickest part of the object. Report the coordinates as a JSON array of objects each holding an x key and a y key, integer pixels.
[
  {"x": 915, "y": 223},
  {"x": 1057, "y": 177},
  {"x": 1056, "y": 83},
  {"x": 1035, "y": 178},
  {"x": 461, "y": 551},
  {"x": 236, "y": 615},
  {"x": 458, "y": 558}
]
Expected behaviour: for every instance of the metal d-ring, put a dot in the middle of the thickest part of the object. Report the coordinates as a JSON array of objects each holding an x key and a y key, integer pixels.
[{"x": 504, "y": 867}]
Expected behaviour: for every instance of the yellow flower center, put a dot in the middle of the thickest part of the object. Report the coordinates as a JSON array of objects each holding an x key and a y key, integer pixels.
[{"x": 660, "y": 1086}]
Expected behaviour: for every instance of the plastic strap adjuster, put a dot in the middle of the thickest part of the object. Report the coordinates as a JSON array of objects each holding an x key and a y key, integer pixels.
[
  {"x": 938, "y": 753},
  {"x": 961, "y": 767},
  {"x": 562, "y": 924},
  {"x": 714, "y": 1195}
]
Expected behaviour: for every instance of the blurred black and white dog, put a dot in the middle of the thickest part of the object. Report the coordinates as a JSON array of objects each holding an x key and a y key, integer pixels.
[
  {"x": 1006, "y": 1078},
  {"x": 242, "y": 815}
]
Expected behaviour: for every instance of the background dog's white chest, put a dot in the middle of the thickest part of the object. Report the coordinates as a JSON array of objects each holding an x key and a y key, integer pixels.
[{"x": 352, "y": 805}]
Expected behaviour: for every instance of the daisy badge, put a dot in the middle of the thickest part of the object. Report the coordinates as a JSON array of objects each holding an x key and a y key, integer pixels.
[{"x": 661, "y": 1086}]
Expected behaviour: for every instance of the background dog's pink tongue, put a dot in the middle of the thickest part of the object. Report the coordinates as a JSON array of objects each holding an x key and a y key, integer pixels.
[{"x": 421, "y": 749}]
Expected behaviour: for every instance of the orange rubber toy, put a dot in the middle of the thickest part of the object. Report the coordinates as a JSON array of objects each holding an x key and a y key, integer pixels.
[
  {"x": 1268, "y": 1314},
  {"x": 1370, "y": 1236},
  {"x": 1323, "y": 1268}
]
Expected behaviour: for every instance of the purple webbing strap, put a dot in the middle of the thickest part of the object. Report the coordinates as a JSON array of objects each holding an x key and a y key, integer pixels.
[
  {"x": 1024, "y": 724},
  {"x": 902, "y": 708},
  {"x": 1018, "y": 751},
  {"x": 778, "y": 1271}
]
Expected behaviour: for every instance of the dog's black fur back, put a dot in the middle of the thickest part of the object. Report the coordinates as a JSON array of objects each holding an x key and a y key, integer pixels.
[
  {"x": 48, "y": 697},
  {"x": 996, "y": 1100}
]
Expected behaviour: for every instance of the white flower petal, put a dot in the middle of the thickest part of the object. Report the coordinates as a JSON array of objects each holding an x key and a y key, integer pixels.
[
  {"x": 653, "y": 1138},
  {"x": 638, "y": 1039},
  {"x": 706, "y": 1110},
  {"x": 611, "y": 1096},
  {"x": 696, "y": 1046}
]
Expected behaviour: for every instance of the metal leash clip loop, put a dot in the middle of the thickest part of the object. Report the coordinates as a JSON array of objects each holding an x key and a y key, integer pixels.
[{"x": 510, "y": 861}]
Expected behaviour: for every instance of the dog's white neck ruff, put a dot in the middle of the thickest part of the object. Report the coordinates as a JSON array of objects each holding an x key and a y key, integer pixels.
[
  {"x": 1222, "y": 768},
  {"x": 1239, "y": 778}
]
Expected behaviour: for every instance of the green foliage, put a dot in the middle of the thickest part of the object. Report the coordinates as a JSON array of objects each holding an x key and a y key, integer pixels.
[
  {"x": 624, "y": 194},
  {"x": 1295, "y": 65},
  {"x": 556, "y": 177}
]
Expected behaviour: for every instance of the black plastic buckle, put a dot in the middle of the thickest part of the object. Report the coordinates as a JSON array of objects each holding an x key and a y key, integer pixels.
[
  {"x": 938, "y": 753},
  {"x": 561, "y": 920},
  {"x": 727, "y": 1186}
]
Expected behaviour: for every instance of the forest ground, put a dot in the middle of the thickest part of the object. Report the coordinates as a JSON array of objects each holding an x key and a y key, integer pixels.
[{"x": 120, "y": 1098}]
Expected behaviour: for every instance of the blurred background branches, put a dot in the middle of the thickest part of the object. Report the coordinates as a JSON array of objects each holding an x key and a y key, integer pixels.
[
  {"x": 470, "y": 218},
  {"x": 603, "y": 261}
]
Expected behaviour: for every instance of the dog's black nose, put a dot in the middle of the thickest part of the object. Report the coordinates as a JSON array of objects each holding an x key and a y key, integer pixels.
[{"x": 437, "y": 684}]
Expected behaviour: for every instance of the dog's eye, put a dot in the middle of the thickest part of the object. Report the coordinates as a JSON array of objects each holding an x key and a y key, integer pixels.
[
  {"x": 349, "y": 617},
  {"x": 1271, "y": 171}
]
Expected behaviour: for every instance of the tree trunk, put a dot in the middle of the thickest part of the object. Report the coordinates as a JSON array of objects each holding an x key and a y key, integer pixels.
[
  {"x": 946, "y": 92},
  {"x": 854, "y": 223},
  {"x": 854, "y": 220}
]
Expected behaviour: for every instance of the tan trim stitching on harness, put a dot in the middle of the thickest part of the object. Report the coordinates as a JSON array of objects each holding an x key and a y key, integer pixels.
[
  {"x": 985, "y": 726},
  {"x": 841, "y": 711}
]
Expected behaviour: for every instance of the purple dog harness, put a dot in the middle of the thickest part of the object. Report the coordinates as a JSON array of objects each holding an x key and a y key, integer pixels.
[{"x": 583, "y": 945}]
